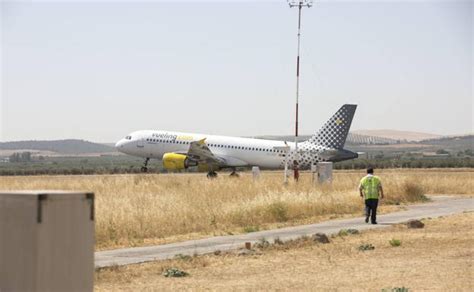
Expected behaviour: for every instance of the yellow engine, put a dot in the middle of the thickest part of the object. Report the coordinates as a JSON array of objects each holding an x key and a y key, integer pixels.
[{"x": 174, "y": 161}]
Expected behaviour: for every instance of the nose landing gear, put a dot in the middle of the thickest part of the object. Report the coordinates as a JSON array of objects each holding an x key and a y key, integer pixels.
[{"x": 145, "y": 164}]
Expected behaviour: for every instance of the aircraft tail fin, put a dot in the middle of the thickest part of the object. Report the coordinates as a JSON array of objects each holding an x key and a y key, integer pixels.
[{"x": 334, "y": 132}]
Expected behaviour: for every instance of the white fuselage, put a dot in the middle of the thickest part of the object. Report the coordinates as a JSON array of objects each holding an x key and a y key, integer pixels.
[
  {"x": 234, "y": 150},
  {"x": 223, "y": 151}
]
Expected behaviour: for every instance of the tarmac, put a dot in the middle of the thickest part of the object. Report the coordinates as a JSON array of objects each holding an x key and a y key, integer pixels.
[{"x": 438, "y": 207}]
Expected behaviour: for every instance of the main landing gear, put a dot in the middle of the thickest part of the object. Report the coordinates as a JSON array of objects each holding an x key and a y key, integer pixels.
[
  {"x": 211, "y": 174},
  {"x": 145, "y": 164},
  {"x": 234, "y": 173}
]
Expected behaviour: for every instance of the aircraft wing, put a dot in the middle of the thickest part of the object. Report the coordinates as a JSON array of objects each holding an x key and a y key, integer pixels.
[{"x": 199, "y": 151}]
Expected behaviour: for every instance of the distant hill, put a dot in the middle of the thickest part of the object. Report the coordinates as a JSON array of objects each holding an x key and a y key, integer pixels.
[
  {"x": 456, "y": 142},
  {"x": 352, "y": 138},
  {"x": 397, "y": 135},
  {"x": 71, "y": 146},
  {"x": 356, "y": 141}
]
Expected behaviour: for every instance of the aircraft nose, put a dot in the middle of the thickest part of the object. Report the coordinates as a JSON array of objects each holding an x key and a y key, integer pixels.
[{"x": 119, "y": 144}]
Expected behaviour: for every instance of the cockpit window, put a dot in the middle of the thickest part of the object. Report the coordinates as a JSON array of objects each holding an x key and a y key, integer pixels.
[{"x": 128, "y": 137}]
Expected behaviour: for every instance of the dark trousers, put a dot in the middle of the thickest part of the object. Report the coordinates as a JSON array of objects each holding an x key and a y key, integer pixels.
[{"x": 371, "y": 209}]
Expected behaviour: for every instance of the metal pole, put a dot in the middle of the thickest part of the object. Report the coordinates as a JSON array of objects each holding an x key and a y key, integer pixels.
[
  {"x": 300, "y": 4},
  {"x": 297, "y": 158}
]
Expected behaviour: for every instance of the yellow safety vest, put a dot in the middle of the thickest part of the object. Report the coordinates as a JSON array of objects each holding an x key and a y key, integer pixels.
[{"x": 370, "y": 185}]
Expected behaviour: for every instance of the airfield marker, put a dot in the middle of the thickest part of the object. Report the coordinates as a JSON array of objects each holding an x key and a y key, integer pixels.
[{"x": 248, "y": 245}]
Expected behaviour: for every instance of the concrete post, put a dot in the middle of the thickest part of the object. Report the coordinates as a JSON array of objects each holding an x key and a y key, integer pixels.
[
  {"x": 314, "y": 171},
  {"x": 255, "y": 172},
  {"x": 324, "y": 170}
]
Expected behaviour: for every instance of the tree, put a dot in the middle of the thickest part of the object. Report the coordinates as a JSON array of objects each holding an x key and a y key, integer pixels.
[
  {"x": 441, "y": 151},
  {"x": 20, "y": 157}
]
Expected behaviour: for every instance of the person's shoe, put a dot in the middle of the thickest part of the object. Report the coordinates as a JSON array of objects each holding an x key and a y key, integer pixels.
[
  {"x": 374, "y": 222},
  {"x": 366, "y": 219}
]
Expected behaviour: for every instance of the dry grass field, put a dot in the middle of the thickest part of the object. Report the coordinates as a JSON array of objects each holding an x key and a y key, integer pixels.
[
  {"x": 134, "y": 210},
  {"x": 438, "y": 257}
]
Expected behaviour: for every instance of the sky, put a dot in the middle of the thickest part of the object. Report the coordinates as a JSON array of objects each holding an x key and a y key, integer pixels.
[{"x": 100, "y": 70}]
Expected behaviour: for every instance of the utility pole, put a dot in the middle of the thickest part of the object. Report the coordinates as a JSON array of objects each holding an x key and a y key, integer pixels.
[{"x": 300, "y": 4}]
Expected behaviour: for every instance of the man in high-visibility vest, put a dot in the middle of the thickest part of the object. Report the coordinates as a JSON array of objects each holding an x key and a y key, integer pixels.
[{"x": 370, "y": 187}]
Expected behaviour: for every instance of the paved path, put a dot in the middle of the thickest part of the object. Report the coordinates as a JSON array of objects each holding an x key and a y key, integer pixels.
[{"x": 440, "y": 206}]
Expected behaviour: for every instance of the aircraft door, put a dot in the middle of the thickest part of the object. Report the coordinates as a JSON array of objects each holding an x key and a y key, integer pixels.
[{"x": 141, "y": 142}]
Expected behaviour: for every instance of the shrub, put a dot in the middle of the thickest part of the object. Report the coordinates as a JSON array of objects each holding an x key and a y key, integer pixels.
[
  {"x": 183, "y": 257},
  {"x": 395, "y": 242},
  {"x": 174, "y": 272},
  {"x": 366, "y": 246},
  {"x": 414, "y": 191},
  {"x": 343, "y": 232},
  {"x": 278, "y": 211},
  {"x": 278, "y": 241},
  {"x": 263, "y": 243},
  {"x": 248, "y": 229},
  {"x": 395, "y": 289},
  {"x": 352, "y": 231}
]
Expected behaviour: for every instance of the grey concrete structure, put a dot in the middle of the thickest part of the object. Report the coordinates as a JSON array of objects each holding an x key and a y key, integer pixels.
[
  {"x": 46, "y": 241},
  {"x": 440, "y": 206}
]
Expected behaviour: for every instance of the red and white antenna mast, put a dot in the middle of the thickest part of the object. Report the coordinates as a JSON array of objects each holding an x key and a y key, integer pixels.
[{"x": 300, "y": 4}]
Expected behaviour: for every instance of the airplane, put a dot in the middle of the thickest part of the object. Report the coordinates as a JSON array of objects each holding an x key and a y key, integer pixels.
[{"x": 211, "y": 153}]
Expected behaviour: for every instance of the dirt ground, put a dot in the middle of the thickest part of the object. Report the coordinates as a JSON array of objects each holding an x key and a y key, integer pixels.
[{"x": 438, "y": 257}]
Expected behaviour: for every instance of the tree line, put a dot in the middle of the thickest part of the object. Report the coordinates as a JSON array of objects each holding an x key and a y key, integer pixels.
[{"x": 81, "y": 167}]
